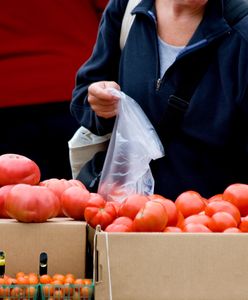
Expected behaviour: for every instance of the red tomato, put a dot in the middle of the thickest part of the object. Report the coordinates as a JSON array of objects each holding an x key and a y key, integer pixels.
[
  {"x": 76, "y": 182},
  {"x": 15, "y": 168},
  {"x": 192, "y": 227},
  {"x": 132, "y": 204},
  {"x": 190, "y": 203},
  {"x": 124, "y": 221},
  {"x": 243, "y": 226},
  {"x": 151, "y": 218},
  {"x": 198, "y": 219},
  {"x": 31, "y": 203},
  {"x": 45, "y": 279},
  {"x": 232, "y": 230},
  {"x": 117, "y": 206},
  {"x": 3, "y": 194},
  {"x": 217, "y": 197},
  {"x": 180, "y": 219},
  {"x": 237, "y": 194},
  {"x": 120, "y": 224},
  {"x": 221, "y": 205},
  {"x": 117, "y": 228},
  {"x": 58, "y": 186},
  {"x": 172, "y": 229},
  {"x": 169, "y": 206},
  {"x": 223, "y": 220},
  {"x": 97, "y": 200},
  {"x": 74, "y": 200},
  {"x": 97, "y": 213}
]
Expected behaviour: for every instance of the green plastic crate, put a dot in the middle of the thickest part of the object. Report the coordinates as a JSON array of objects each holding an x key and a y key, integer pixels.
[
  {"x": 18, "y": 291},
  {"x": 67, "y": 291}
]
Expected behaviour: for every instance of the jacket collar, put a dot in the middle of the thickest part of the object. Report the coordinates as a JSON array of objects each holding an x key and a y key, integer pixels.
[{"x": 212, "y": 26}]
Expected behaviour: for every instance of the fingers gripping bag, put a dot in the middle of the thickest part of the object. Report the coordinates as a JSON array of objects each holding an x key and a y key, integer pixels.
[{"x": 133, "y": 144}]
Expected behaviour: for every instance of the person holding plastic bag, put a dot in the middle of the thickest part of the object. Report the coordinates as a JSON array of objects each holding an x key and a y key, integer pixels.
[{"x": 186, "y": 64}]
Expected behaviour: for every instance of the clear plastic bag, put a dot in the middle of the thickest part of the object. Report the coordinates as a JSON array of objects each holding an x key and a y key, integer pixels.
[{"x": 133, "y": 144}]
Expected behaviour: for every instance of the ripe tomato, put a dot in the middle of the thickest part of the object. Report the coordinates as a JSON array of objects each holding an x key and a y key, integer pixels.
[
  {"x": 47, "y": 290},
  {"x": 180, "y": 219},
  {"x": 69, "y": 280},
  {"x": 217, "y": 197},
  {"x": 169, "y": 206},
  {"x": 45, "y": 279},
  {"x": 4, "y": 292},
  {"x": 33, "y": 278},
  {"x": 3, "y": 194},
  {"x": 17, "y": 293},
  {"x": 172, "y": 229},
  {"x": 190, "y": 203},
  {"x": 74, "y": 200},
  {"x": 58, "y": 293},
  {"x": 15, "y": 168},
  {"x": 79, "y": 281},
  {"x": 232, "y": 230},
  {"x": 125, "y": 221},
  {"x": 237, "y": 194},
  {"x": 86, "y": 292},
  {"x": 30, "y": 292},
  {"x": 132, "y": 204},
  {"x": 198, "y": 219},
  {"x": 58, "y": 186},
  {"x": 193, "y": 227},
  {"x": 222, "y": 205},
  {"x": 117, "y": 228},
  {"x": 151, "y": 218},
  {"x": 20, "y": 274},
  {"x": 117, "y": 206},
  {"x": 22, "y": 280},
  {"x": 222, "y": 220},
  {"x": 97, "y": 200},
  {"x": 243, "y": 226},
  {"x": 99, "y": 212},
  {"x": 58, "y": 276},
  {"x": 120, "y": 224},
  {"x": 30, "y": 203},
  {"x": 87, "y": 281},
  {"x": 10, "y": 280}
]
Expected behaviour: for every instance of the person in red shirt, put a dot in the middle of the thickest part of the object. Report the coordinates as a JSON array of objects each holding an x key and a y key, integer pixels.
[{"x": 43, "y": 43}]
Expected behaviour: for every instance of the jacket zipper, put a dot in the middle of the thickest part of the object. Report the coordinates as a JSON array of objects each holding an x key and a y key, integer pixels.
[
  {"x": 159, "y": 80},
  {"x": 187, "y": 50},
  {"x": 158, "y": 84},
  {"x": 191, "y": 48}
]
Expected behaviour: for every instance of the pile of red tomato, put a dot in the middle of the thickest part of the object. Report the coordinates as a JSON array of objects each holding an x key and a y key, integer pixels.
[
  {"x": 24, "y": 197},
  {"x": 227, "y": 212},
  {"x": 57, "y": 286}
]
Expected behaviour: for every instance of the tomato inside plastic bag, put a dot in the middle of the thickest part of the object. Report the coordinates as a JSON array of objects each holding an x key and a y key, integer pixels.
[{"x": 133, "y": 144}]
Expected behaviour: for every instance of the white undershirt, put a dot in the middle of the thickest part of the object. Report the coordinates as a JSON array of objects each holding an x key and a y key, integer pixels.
[{"x": 167, "y": 54}]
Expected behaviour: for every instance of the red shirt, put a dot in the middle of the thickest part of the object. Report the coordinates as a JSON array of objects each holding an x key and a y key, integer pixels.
[{"x": 43, "y": 43}]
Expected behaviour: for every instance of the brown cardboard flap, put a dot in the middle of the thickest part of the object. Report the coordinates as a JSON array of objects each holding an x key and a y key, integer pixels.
[
  {"x": 63, "y": 239},
  {"x": 174, "y": 266}
]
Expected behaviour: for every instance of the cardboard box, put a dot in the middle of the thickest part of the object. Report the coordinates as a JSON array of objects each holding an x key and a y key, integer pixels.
[
  {"x": 63, "y": 239},
  {"x": 172, "y": 266}
]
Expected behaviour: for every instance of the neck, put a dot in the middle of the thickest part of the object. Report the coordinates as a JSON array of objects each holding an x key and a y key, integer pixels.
[
  {"x": 179, "y": 10},
  {"x": 178, "y": 19}
]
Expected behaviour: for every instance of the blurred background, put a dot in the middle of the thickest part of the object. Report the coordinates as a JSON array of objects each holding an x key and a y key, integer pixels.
[{"x": 43, "y": 43}]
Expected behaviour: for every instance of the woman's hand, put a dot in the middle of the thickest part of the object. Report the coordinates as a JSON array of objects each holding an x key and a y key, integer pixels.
[{"x": 101, "y": 100}]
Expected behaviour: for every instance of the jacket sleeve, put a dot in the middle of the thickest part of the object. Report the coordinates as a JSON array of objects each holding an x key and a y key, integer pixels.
[
  {"x": 100, "y": 6},
  {"x": 102, "y": 65}
]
